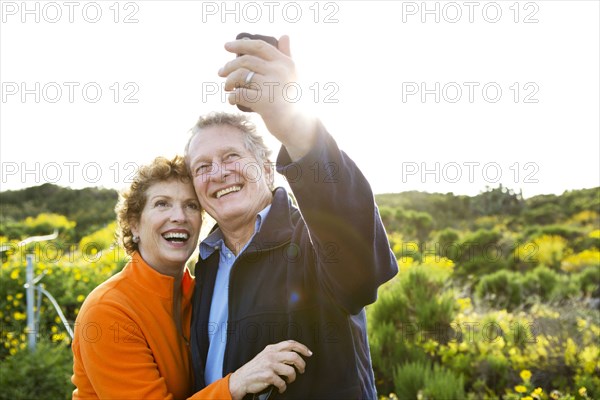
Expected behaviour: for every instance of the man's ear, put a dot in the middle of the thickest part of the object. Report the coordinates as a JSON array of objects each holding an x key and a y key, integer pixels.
[{"x": 270, "y": 173}]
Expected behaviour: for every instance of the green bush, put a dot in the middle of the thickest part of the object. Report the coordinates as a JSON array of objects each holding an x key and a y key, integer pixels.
[
  {"x": 591, "y": 383},
  {"x": 446, "y": 238},
  {"x": 564, "y": 231},
  {"x": 479, "y": 266},
  {"x": 478, "y": 253},
  {"x": 502, "y": 289},
  {"x": 543, "y": 214},
  {"x": 585, "y": 243},
  {"x": 42, "y": 374},
  {"x": 441, "y": 383},
  {"x": 493, "y": 370},
  {"x": 589, "y": 280},
  {"x": 474, "y": 244},
  {"x": 409, "y": 379},
  {"x": 418, "y": 380},
  {"x": 540, "y": 282},
  {"x": 388, "y": 217},
  {"x": 567, "y": 288},
  {"x": 411, "y": 309},
  {"x": 509, "y": 290}
]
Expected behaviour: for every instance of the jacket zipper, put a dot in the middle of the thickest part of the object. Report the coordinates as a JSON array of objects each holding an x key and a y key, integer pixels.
[{"x": 238, "y": 260}]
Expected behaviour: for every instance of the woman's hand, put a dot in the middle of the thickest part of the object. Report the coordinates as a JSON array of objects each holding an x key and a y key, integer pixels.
[{"x": 276, "y": 365}]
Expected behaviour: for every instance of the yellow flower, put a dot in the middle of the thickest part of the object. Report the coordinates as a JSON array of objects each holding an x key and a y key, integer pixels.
[
  {"x": 19, "y": 316},
  {"x": 14, "y": 274},
  {"x": 464, "y": 303},
  {"x": 80, "y": 298},
  {"x": 520, "y": 389},
  {"x": 19, "y": 295},
  {"x": 527, "y": 398},
  {"x": 571, "y": 353},
  {"x": 9, "y": 297},
  {"x": 430, "y": 346},
  {"x": 525, "y": 375},
  {"x": 538, "y": 391},
  {"x": 582, "y": 391},
  {"x": 589, "y": 357},
  {"x": 57, "y": 337}
]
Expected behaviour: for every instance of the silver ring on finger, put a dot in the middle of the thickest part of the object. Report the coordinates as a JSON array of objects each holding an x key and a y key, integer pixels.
[{"x": 249, "y": 78}]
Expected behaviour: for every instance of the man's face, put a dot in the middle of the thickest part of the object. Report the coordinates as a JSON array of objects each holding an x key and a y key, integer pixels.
[{"x": 231, "y": 184}]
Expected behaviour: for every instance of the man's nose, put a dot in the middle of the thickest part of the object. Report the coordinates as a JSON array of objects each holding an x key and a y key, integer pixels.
[{"x": 220, "y": 171}]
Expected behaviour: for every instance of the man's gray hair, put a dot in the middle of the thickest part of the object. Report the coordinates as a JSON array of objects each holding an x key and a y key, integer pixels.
[{"x": 253, "y": 142}]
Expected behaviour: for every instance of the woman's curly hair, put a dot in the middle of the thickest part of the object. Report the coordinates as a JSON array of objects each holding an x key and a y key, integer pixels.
[{"x": 133, "y": 200}]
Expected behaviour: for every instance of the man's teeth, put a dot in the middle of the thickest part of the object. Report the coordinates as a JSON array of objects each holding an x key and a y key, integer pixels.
[
  {"x": 176, "y": 236},
  {"x": 228, "y": 190}
]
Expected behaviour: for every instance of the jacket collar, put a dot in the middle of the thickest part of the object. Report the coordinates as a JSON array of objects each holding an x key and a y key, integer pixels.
[
  {"x": 148, "y": 278},
  {"x": 277, "y": 227}
]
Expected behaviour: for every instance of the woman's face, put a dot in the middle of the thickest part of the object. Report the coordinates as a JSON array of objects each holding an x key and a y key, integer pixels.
[{"x": 169, "y": 225}]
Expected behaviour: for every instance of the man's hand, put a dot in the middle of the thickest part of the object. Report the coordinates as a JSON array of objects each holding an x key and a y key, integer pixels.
[
  {"x": 275, "y": 365},
  {"x": 273, "y": 69}
]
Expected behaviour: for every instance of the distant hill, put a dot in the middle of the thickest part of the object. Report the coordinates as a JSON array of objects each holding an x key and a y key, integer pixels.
[
  {"x": 93, "y": 208},
  {"x": 90, "y": 208},
  {"x": 496, "y": 201}
]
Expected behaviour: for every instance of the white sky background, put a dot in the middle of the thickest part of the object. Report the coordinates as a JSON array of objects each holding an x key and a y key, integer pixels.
[{"x": 368, "y": 58}]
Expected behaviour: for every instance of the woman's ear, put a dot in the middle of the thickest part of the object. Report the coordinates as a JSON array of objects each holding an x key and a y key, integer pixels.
[{"x": 134, "y": 228}]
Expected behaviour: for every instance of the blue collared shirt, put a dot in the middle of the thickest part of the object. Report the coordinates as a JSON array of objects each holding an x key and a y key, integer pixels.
[{"x": 217, "y": 325}]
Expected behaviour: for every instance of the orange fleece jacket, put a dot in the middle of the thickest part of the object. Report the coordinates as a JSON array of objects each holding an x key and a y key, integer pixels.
[{"x": 126, "y": 345}]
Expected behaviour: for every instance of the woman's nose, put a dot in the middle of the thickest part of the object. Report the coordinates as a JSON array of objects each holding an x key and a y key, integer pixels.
[{"x": 178, "y": 214}]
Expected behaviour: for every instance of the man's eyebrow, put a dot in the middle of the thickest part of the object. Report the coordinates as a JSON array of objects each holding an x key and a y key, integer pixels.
[
  {"x": 208, "y": 158},
  {"x": 200, "y": 158},
  {"x": 230, "y": 149}
]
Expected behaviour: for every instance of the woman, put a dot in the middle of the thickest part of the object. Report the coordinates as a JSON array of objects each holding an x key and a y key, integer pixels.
[{"x": 131, "y": 334}]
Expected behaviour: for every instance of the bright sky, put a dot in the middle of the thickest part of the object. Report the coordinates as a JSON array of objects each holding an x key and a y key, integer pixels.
[{"x": 437, "y": 96}]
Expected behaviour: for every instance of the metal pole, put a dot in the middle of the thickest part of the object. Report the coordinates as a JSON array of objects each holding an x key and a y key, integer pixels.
[
  {"x": 31, "y": 331},
  {"x": 58, "y": 310}
]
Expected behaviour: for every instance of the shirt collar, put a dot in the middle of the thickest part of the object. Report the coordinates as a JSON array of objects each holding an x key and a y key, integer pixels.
[{"x": 215, "y": 240}]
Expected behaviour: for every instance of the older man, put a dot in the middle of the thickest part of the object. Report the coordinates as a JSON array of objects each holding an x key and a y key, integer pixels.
[{"x": 270, "y": 270}]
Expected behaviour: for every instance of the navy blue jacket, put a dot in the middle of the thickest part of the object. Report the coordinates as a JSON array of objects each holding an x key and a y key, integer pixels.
[{"x": 306, "y": 275}]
